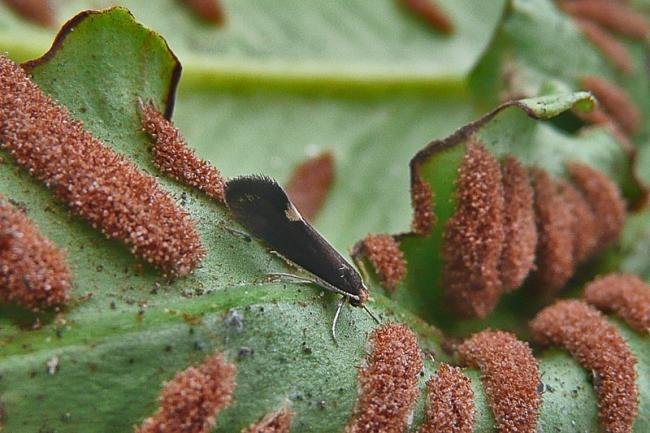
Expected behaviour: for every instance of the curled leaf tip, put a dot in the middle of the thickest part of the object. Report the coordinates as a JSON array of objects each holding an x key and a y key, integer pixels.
[
  {"x": 450, "y": 402},
  {"x": 99, "y": 185},
  {"x": 310, "y": 184},
  {"x": 190, "y": 402},
  {"x": 549, "y": 106},
  {"x": 389, "y": 382},
  {"x": 510, "y": 375},
  {"x": 33, "y": 271},
  {"x": 173, "y": 157},
  {"x": 600, "y": 348}
]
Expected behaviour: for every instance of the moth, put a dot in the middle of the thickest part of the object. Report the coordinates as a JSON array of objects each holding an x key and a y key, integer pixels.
[{"x": 261, "y": 206}]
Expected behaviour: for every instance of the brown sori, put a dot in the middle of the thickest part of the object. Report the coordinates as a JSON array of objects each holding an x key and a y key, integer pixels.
[
  {"x": 450, "y": 402},
  {"x": 424, "y": 217},
  {"x": 38, "y": 11},
  {"x": 611, "y": 48},
  {"x": 389, "y": 382},
  {"x": 275, "y": 422},
  {"x": 33, "y": 271},
  {"x": 96, "y": 183},
  {"x": 510, "y": 375},
  {"x": 520, "y": 231},
  {"x": 600, "y": 349},
  {"x": 504, "y": 227},
  {"x": 382, "y": 250},
  {"x": 431, "y": 13},
  {"x": 190, "y": 402},
  {"x": 610, "y": 14},
  {"x": 474, "y": 236},
  {"x": 555, "y": 261},
  {"x": 173, "y": 157},
  {"x": 605, "y": 200},
  {"x": 585, "y": 226},
  {"x": 310, "y": 184},
  {"x": 628, "y": 296},
  {"x": 208, "y": 10},
  {"x": 615, "y": 102}
]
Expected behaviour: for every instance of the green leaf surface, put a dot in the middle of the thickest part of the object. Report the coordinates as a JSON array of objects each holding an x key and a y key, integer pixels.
[
  {"x": 115, "y": 348},
  {"x": 283, "y": 352},
  {"x": 103, "y": 269},
  {"x": 569, "y": 400},
  {"x": 127, "y": 301}
]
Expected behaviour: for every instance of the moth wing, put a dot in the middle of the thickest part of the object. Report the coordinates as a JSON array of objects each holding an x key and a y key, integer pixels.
[{"x": 260, "y": 205}]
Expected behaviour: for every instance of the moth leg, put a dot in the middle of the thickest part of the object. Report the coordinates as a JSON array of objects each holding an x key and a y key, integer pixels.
[
  {"x": 308, "y": 279},
  {"x": 339, "y": 307},
  {"x": 288, "y": 278},
  {"x": 238, "y": 233}
]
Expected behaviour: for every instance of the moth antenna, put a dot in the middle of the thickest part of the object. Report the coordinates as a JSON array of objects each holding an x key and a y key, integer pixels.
[
  {"x": 235, "y": 232},
  {"x": 281, "y": 277}
]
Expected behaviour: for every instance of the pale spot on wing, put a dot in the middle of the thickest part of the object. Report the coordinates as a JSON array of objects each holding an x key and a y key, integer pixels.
[{"x": 292, "y": 213}]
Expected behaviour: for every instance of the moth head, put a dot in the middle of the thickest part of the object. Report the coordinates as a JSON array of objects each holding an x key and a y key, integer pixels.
[{"x": 362, "y": 297}]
